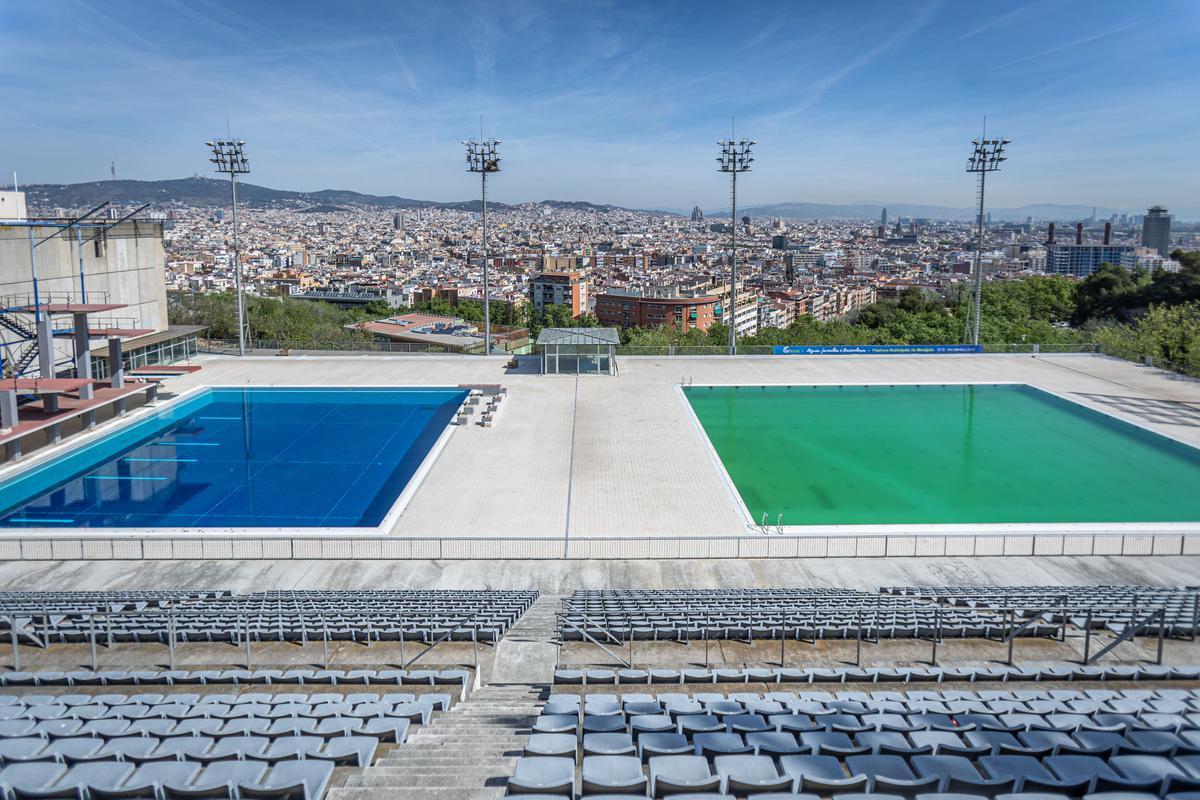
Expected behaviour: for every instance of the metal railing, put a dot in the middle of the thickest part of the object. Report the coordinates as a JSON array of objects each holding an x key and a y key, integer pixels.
[
  {"x": 239, "y": 635},
  {"x": 298, "y": 346},
  {"x": 312, "y": 345},
  {"x": 26, "y": 300},
  {"x": 22, "y": 545},
  {"x": 1016, "y": 623}
]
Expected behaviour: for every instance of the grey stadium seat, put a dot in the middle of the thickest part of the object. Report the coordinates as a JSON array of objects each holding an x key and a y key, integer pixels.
[
  {"x": 608, "y": 774},
  {"x": 744, "y": 774},
  {"x": 540, "y": 775},
  {"x": 298, "y": 780},
  {"x": 678, "y": 774}
]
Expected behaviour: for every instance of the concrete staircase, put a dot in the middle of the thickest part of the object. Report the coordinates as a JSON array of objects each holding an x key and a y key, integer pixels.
[
  {"x": 466, "y": 753},
  {"x": 529, "y": 650}
]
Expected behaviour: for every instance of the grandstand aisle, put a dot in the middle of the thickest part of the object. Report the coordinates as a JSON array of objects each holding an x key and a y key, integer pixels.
[{"x": 465, "y": 754}]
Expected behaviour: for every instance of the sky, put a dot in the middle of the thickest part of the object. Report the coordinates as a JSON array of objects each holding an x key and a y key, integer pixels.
[{"x": 616, "y": 102}]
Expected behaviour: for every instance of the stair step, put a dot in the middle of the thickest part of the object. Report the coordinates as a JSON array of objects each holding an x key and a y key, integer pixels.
[
  {"x": 414, "y": 793},
  {"x": 465, "y": 753}
]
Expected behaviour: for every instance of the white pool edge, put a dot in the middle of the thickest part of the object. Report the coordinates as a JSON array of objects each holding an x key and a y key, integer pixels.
[{"x": 930, "y": 529}]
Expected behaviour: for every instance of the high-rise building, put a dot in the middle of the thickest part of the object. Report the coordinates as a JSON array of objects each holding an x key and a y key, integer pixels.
[
  {"x": 883, "y": 218},
  {"x": 560, "y": 288},
  {"x": 1082, "y": 260},
  {"x": 398, "y": 221},
  {"x": 1156, "y": 230}
]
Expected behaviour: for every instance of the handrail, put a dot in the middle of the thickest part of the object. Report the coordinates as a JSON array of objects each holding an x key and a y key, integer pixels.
[
  {"x": 566, "y": 603},
  {"x": 594, "y": 641},
  {"x": 443, "y": 638},
  {"x": 1131, "y": 630}
]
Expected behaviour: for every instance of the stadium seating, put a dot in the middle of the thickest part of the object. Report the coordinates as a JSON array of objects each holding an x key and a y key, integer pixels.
[
  {"x": 352, "y": 677},
  {"x": 1110, "y": 607},
  {"x": 183, "y": 745},
  {"x": 290, "y": 616},
  {"x": 927, "y": 674},
  {"x": 756, "y": 614},
  {"x": 915, "y": 744}
]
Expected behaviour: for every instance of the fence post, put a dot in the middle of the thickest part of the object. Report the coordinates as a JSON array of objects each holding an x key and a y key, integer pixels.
[
  {"x": 558, "y": 643},
  {"x": 858, "y": 641},
  {"x": 92, "y": 637},
  {"x": 629, "y": 633},
  {"x": 325, "y": 640},
  {"x": 171, "y": 639},
  {"x": 247, "y": 619},
  {"x": 937, "y": 634},
  {"x": 1087, "y": 638},
  {"x": 1162, "y": 629},
  {"x": 1010, "y": 636},
  {"x": 12, "y": 629}
]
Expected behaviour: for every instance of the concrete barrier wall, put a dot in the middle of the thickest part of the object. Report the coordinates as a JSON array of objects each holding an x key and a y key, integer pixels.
[{"x": 349, "y": 547}]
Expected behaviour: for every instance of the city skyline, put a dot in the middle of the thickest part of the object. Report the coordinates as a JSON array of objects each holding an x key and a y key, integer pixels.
[{"x": 619, "y": 103}]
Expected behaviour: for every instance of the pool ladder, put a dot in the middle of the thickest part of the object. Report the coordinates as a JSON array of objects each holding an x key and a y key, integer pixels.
[{"x": 778, "y": 525}]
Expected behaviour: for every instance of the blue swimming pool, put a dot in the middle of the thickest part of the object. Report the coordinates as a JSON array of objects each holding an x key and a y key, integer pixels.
[{"x": 242, "y": 457}]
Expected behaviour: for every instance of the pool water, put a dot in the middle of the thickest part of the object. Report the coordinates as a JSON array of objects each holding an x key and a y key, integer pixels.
[
  {"x": 252, "y": 457},
  {"x": 865, "y": 455}
]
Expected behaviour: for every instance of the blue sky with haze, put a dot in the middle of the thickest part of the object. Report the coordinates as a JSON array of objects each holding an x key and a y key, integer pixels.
[{"x": 616, "y": 102}]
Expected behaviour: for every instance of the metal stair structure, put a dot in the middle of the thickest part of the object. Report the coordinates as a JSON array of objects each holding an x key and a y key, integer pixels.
[
  {"x": 18, "y": 317},
  {"x": 26, "y": 344},
  {"x": 25, "y": 356},
  {"x": 466, "y": 753}
]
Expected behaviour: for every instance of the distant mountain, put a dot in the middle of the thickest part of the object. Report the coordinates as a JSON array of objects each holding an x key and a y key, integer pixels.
[{"x": 198, "y": 191}]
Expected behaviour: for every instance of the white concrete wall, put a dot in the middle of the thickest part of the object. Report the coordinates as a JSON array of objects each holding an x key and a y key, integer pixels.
[{"x": 128, "y": 268}]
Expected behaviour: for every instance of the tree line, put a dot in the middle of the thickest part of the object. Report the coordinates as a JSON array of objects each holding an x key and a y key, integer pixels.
[
  {"x": 1129, "y": 313},
  {"x": 287, "y": 319}
]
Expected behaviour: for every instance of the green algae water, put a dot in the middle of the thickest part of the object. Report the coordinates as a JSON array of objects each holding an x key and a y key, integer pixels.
[{"x": 941, "y": 454}]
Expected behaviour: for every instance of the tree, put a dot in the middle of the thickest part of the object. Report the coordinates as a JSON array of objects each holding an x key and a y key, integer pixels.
[
  {"x": 1110, "y": 292},
  {"x": 1168, "y": 334}
]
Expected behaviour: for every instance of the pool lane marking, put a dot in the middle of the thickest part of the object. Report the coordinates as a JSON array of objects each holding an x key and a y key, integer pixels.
[
  {"x": 171, "y": 460},
  {"x": 218, "y": 418},
  {"x": 185, "y": 444},
  {"x": 124, "y": 478},
  {"x": 51, "y": 521}
]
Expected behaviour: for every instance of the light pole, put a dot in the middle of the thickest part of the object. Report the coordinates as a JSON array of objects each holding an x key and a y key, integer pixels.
[
  {"x": 985, "y": 158},
  {"x": 735, "y": 157},
  {"x": 230, "y": 159},
  {"x": 483, "y": 158}
]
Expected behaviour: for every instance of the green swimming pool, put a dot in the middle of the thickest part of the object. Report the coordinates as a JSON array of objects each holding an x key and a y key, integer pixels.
[{"x": 940, "y": 454}]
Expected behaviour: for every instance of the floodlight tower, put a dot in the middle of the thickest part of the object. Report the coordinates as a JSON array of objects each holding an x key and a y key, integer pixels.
[
  {"x": 230, "y": 159},
  {"x": 483, "y": 158},
  {"x": 735, "y": 157},
  {"x": 986, "y": 157}
]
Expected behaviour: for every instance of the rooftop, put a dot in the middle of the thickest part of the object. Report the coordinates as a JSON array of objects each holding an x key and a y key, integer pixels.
[
  {"x": 575, "y": 464},
  {"x": 566, "y": 336}
]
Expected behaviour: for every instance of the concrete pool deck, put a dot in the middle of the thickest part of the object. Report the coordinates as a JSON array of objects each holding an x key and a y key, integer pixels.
[{"x": 618, "y": 457}]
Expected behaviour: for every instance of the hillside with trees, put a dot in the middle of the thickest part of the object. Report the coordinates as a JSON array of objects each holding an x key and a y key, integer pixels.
[{"x": 1129, "y": 314}]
